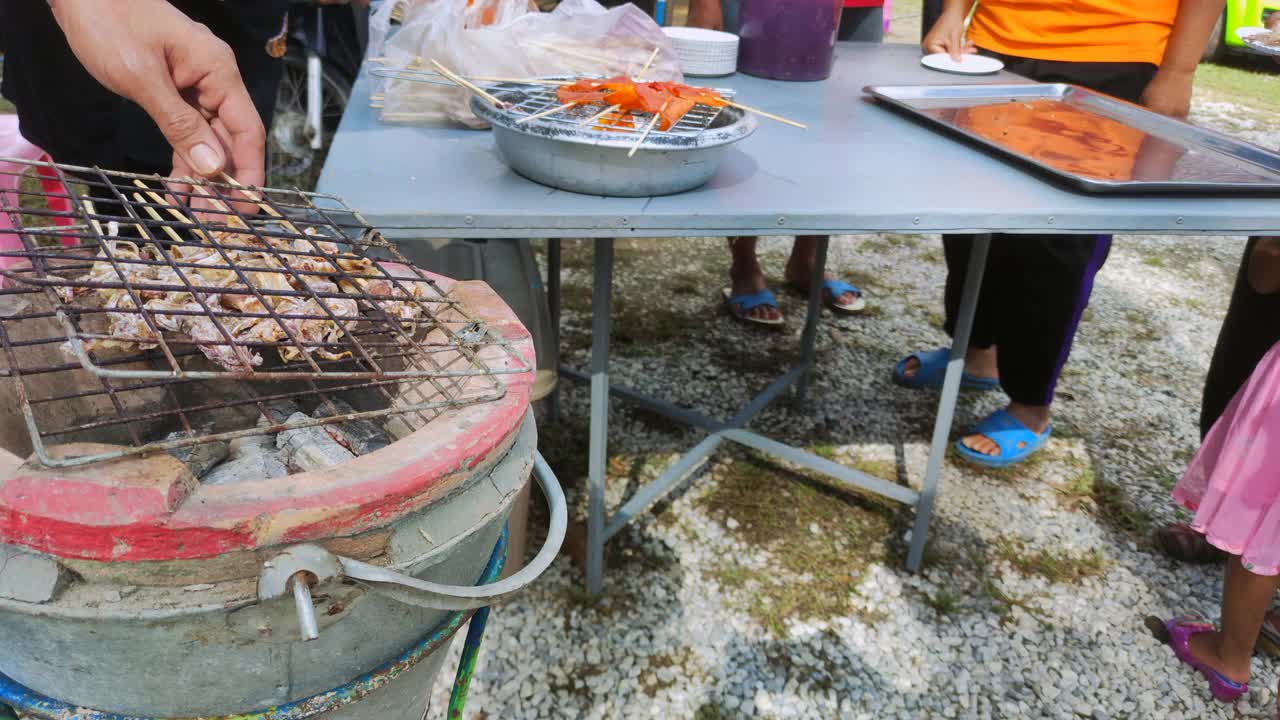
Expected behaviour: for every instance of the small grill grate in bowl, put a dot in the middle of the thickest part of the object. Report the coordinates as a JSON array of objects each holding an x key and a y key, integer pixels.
[{"x": 526, "y": 100}]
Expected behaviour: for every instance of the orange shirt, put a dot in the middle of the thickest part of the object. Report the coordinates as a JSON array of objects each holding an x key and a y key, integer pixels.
[{"x": 1076, "y": 30}]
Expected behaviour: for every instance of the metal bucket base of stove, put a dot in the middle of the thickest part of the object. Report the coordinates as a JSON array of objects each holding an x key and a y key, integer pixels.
[
  {"x": 605, "y": 169},
  {"x": 204, "y": 661},
  {"x": 400, "y": 690}
]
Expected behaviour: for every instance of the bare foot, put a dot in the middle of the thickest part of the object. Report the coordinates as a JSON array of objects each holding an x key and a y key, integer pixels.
[
  {"x": 978, "y": 362},
  {"x": 1035, "y": 417},
  {"x": 1204, "y": 648}
]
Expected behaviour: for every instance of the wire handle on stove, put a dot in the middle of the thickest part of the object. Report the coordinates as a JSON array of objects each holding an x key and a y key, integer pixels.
[{"x": 283, "y": 573}]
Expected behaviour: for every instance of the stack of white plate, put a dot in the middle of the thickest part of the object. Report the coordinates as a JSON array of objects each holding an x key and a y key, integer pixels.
[{"x": 708, "y": 53}]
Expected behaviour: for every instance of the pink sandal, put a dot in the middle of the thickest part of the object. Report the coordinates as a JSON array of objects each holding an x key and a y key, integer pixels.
[{"x": 1180, "y": 630}]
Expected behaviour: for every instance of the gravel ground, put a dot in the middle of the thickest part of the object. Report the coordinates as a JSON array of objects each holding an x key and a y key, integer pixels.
[{"x": 755, "y": 591}]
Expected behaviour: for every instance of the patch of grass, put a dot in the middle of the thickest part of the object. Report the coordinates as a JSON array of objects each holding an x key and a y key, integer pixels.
[
  {"x": 1119, "y": 511},
  {"x": 1056, "y": 567},
  {"x": 944, "y": 602},
  {"x": 1254, "y": 85},
  {"x": 638, "y": 324},
  {"x": 1005, "y": 603},
  {"x": 937, "y": 319},
  {"x": 1108, "y": 502},
  {"x": 811, "y": 574},
  {"x": 651, "y": 679},
  {"x": 712, "y": 711},
  {"x": 1155, "y": 261},
  {"x": 888, "y": 242},
  {"x": 1141, "y": 326},
  {"x": 826, "y": 452}
]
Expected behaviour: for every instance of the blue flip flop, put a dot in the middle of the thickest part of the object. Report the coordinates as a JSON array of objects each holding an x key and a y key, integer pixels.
[
  {"x": 933, "y": 370},
  {"x": 1016, "y": 441},
  {"x": 739, "y": 305},
  {"x": 832, "y": 289}
]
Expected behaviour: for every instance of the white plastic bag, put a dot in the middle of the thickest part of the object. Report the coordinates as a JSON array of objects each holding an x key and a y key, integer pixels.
[{"x": 508, "y": 39}]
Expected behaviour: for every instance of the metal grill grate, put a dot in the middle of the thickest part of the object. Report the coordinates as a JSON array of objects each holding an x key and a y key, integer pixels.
[
  {"x": 525, "y": 100},
  {"x": 143, "y": 317}
]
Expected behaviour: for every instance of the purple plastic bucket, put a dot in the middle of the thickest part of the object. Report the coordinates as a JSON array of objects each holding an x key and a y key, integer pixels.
[{"x": 788, "y": 39}]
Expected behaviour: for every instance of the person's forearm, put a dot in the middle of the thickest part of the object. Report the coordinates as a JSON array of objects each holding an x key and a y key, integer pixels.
[
  {"x": 960, "y": 7},
  {"x": 1195, "y": 22}
]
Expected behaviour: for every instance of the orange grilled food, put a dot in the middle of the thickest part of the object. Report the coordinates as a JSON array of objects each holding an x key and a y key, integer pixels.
[{"x": 669, "y": 100}]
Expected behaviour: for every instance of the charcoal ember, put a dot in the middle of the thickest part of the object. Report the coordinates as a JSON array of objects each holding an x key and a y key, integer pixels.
[
  {"x": 250, "y": 458},
  {"x": 358, "y": 436},
  {"x": 202, "y": 458},
  {"x": 310, "y": 448},
  {"x": 280, "y": 411}
]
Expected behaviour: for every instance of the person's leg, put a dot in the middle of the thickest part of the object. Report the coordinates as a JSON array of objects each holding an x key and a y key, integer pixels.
[
  {"x": 1037, "y": 323},
  {"x": 1250, "y": 327},
  {"x": 1245, "y": 600},
  {"x": 980, "y": 358},
  {"x": 799, "y": 272},
  {"x": 746, "y": 277}
]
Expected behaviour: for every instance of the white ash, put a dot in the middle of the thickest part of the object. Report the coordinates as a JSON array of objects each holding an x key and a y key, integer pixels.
[
  {"x": 310, "y": 448},
  {"x": 253, "y": 457}
]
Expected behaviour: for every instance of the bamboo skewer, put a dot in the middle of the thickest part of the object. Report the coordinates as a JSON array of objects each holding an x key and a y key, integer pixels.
[
  {"x": 91, "y": 210},
  {"x": 173, "y": 235},
  {"x": 652, "y": 56},
  {"x": 762, "y": 113},
  {"x": 545, "y": 113},
  {"x": 648, "y": 129},
  {"x": 159, "y": 200},
  {"x": 591, "y": 120},
  {"x": 468, "y": 85}
]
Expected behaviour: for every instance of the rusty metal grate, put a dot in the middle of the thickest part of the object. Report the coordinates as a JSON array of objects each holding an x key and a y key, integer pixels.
[{"x": 142, "y": 316}]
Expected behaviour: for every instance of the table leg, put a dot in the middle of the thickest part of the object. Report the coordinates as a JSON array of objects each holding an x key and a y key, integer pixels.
[
  {"x": 809, "y": 337},
  {"x": 601, "y": 301},
  {"x": 947, "y": 403},
  {"x": 553, "y": 307}
]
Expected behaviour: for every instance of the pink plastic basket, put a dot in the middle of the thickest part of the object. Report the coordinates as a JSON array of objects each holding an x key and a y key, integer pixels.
[{"x": 14, "y": 146}]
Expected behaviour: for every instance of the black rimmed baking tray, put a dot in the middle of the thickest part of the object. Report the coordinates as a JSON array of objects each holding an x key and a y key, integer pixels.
[{"x": 1089, "y": 140}]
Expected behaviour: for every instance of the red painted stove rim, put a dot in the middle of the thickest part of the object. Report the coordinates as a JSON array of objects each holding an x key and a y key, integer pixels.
[{"x": 92, "y": 513}]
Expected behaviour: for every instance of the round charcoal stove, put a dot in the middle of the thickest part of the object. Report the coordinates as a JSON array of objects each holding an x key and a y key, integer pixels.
[{"x": 253, "y": 462}]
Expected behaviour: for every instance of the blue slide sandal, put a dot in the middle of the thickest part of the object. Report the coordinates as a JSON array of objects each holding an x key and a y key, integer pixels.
[
  {"x": 1016, "y": 441},
  {"x": 739, "y": 305},
  {"x": 933, "y": 370}
]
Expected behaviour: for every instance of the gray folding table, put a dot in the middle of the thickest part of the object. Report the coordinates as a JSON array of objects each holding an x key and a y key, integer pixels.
[{"x": 858, "y": 168}]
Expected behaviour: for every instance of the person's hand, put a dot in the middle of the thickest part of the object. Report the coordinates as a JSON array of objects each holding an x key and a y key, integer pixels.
[
  {"x": 182, "y": 75},
  {"x": 948, "y": 35},
  {"x": 706, "y": 14},
  {"x": 1169, "y": 93}
]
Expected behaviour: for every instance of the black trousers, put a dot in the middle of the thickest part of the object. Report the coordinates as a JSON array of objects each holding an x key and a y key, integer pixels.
[
  {"x": 1250, "y": 328},
  {"x": 1036, "y": 287}
]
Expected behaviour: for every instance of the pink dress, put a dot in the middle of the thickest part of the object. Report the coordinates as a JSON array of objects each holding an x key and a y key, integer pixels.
[{"x": 1233, "y": 483}]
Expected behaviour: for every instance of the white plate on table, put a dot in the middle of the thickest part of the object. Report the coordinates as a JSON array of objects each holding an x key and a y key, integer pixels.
[
  {"x": 969, "y": 64},
  {"x": 1247, "y": 34}
]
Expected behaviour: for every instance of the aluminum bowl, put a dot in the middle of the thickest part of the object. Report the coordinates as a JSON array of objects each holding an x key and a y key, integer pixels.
[{"x": 560, "y": 154}]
